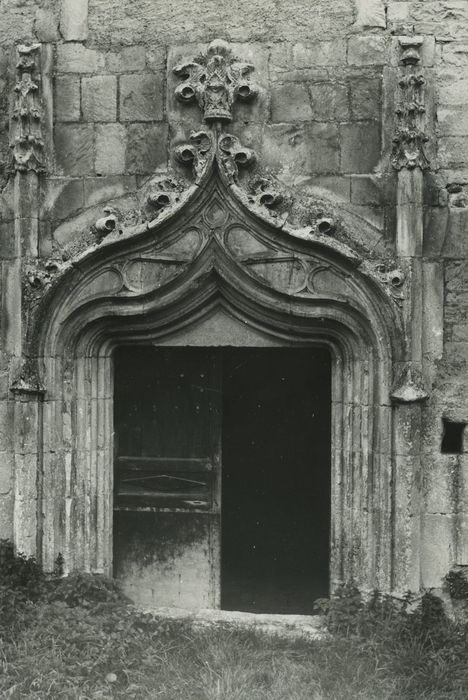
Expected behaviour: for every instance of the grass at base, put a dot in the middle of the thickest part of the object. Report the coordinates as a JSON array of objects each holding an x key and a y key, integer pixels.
[{"x": 51, "y": 650}]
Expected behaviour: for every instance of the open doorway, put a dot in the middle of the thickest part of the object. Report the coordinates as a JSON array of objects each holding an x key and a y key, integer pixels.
[
  {"x": 222, "y": 476},
  {"x": 275, "y": 479}
]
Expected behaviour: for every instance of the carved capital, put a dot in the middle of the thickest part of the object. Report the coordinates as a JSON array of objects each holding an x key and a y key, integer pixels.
[
  {"x": 26, "y": 139},
  {"x": 215, "y": 81}
]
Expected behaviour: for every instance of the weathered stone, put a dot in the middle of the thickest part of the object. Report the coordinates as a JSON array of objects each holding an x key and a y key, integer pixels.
[
  {"x": 103, "y": 189},
  {"x": 67, "y": 98},
  {"x": 6, "y": 515},
  {"x": 7, "y": 462},
  {"x": 437, "y": 549},
  {"x": 453, "y": 150},
  {"x": 141, "y": 97},
  {"x": 17, "y": 21},
  {"x": 398, "y": 12},
  {"x": 146, "y": 147},
  {"x": 46, "y": 26},
  {"x": 452, "y": 121},
  {"x": 332, "y": 184},
  {"x": 128, "y": 58},
  {"x": 244, "y": 21},
  {"x": 455, "y": 53},
  {"x": 156, "y": 58},
  {"x": 99, "y": 98},
  {"x": 110, "y": 149},
  {"x": 321, "y": 53},
  {"x": 367, "y": 50},
  {"x": 448, "y": 18},
  {"x": 64, "y": 197},
  {"x": 329, "y": 101},
  {"x": 290, "y": 102},
  {"x": 74, "y": 20},
  {"x": 370, "y": 13},
  {"x": 365, "y": 97},
  {"x": 452, "y": 91},
  {"x": 7, "y": 241},
  {"x": 366, "y": 190},
  {"x": 76, "y": 58},
  {"x": 360, "y": 147},
  {"x": 311, "y": 148},
  {"x": 282, "y": 66},
  {"x": 74, "y": 146}
]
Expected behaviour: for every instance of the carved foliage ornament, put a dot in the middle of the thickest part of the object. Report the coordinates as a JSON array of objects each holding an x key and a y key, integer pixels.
[
  {"x": 215, "y": 81},
  {"x": 26, "y": 139},
  {"x": 409, "y": 139},
  {"x": 203, "y": 147}
]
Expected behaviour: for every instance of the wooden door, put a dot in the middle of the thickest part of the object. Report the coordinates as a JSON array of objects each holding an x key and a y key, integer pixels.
[{"x": 167, "y": 476}]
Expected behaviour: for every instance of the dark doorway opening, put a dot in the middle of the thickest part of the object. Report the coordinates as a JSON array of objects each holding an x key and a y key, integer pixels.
[
  {"x": 276, "y": 479},
  {"x": 247, "y": 429}
]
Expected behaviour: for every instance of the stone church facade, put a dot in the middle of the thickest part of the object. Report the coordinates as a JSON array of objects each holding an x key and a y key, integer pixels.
[{"x": 243, "y": 175}]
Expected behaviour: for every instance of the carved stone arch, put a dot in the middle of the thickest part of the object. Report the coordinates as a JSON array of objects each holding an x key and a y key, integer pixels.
[{"x": 213, "y": 255}]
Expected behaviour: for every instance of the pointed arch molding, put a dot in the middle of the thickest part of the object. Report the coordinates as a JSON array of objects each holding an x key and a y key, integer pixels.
[{"x": 211, "y": 251}]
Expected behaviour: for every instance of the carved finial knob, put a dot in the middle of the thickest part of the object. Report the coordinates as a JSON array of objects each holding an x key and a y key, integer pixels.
[{"x": 215, "y": 81}]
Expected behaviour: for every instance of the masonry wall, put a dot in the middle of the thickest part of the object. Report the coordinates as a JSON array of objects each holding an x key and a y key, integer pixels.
[{"x": 325, "y": 119}]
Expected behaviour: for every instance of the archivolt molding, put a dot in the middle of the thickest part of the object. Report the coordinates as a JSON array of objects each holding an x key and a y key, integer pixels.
[{"x": 216, "y": 234}]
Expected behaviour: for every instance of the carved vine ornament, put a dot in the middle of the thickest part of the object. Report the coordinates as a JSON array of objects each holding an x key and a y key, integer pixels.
[
  {"x": 26, "y": 139},
  {"x": 410, "y": 139}
]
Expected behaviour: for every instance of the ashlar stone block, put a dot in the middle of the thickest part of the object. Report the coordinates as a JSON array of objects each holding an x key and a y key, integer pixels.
[
  {"x": 99, "y": 98},
  {"x": 76, "y": 58},
  {"x": 370, "y": 13},
  {"x": 365, "y": 96},
  {"x": 329, "y": 101},
  {"x": 74, "y": 20},
  {"x": 321, "y": 53},
  {"x": 367, "y": 50},
  {"x": 290, "y": 102},
  {"x": 146, "y": 148},
  {"x": 141, "y": 97},
  {"x": 303, "y": 149},
  {"x": 452, "y": 121},
  {"x": 129, "y": 58},
  {"x": 110, "y": 149},
  {"x": 453, "y": 151},
  {"x": 360, "y": 147},
  {"x": 74, "y": 146},
  {"x": 67, "y": 98}
]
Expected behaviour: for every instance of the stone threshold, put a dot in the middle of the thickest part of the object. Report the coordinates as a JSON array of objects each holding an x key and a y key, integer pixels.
[{"x": 310, "y": 627}]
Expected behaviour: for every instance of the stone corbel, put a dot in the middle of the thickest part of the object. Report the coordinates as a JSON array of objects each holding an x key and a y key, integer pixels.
[{"x": 409, "y": 386}]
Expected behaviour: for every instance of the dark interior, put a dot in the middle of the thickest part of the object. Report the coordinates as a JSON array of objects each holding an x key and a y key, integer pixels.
[
  {"x": 276, "y": 479},
  {"x": 266, "y": 413}
]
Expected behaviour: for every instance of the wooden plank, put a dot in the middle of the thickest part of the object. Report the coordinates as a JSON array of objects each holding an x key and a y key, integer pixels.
[{"x": 164, "y": 464}]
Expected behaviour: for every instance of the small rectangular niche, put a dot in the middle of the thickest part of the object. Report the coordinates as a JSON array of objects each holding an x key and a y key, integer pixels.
[{"x": 452, "y": 437}]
